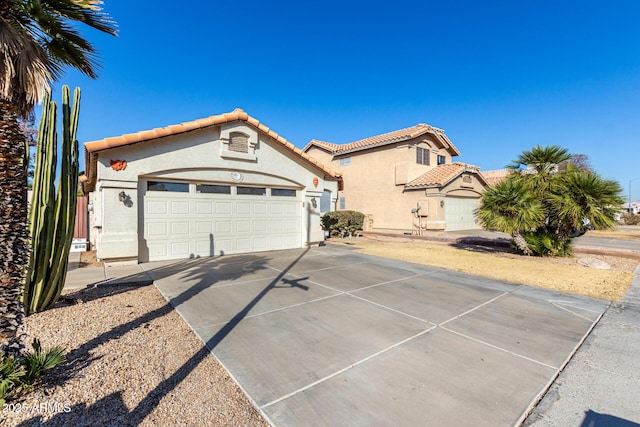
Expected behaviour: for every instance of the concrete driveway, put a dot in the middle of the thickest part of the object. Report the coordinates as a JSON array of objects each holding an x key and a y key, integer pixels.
[{"x": 325, "y": 336}]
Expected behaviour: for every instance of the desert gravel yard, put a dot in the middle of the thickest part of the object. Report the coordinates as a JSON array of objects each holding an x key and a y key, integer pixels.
[{"x": 132, "y": 361}]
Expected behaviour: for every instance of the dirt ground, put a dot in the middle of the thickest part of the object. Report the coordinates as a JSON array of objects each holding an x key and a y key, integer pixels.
[
  {"x": 88, "y": 260},
  {"x": 561, "y": 274}
]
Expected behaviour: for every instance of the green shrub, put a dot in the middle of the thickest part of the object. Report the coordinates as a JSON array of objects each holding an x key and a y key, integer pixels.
[
  {"x": 545, "y": 243},
  {"x": 20, "y": 375},
  {"x": 342, "y": 223},
  {"x": 631, "y": 219}
]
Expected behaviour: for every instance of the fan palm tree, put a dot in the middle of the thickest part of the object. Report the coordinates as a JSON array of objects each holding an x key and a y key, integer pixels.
[
  {"x": 37, "y": 42},
  {"x": 542, "y": 205},
  {"x": 539, "y": 167},
  {"x": 584, "y": 196},
  {"x": 511, "y": 208}
]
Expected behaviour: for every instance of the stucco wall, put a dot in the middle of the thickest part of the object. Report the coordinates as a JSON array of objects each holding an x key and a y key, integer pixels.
[
  {"x": 200, "y": 156},
  {"x": 374, "y": 181}
]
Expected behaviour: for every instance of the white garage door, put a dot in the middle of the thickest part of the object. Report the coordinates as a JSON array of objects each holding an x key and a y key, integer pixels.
[
  {"x": 458, "y": 213},
  {"x": 186, "y": 220}
]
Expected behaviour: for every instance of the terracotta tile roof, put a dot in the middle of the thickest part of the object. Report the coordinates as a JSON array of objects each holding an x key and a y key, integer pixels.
[
  {"x": 494, "y": 177},
  {"x": 94, "y": 147},
  {"x": 442, "y": 174},
  {"x": 388, "y": 138},
  {"x": 329, "y": 146}
]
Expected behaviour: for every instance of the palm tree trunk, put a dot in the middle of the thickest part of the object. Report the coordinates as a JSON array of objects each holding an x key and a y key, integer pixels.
[
  {"x": 13, "y": 228},
  {"x": 521, "y": 243}
]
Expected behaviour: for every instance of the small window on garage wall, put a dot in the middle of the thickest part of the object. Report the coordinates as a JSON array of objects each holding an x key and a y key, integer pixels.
[
  {"x": 345, "y": 161},
  {"x": 252, "y": 191},
  {"x": 238, "y": 142},
  {"x": 283, "y": 192},
  {"x": 176, "y": 187},
  {"x": 343, "y": 203},
  {"x": 325, "y": 201},
  {"x": 213, "y": 189}
]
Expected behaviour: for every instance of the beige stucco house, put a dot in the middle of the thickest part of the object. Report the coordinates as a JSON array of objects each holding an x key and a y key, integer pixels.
[
  {"x": 405, "y": 180},
  {"x": 220, "y": 185}
]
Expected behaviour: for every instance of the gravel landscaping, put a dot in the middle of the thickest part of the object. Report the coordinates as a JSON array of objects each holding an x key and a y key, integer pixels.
[{"x": 131, "y": 361}]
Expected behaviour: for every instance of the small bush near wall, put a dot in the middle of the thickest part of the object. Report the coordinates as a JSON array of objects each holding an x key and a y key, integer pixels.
[
  {"x": 631, "y": 219},
  {"x": 342, "y": 223}
]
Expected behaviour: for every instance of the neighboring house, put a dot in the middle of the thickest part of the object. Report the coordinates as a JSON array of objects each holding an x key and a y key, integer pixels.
[
  {"x": 494, "y": 177},
  {"x": 219, "y": 185},
  {"x": 633, "y": 207},
  {"x": 387, "y": 176}
]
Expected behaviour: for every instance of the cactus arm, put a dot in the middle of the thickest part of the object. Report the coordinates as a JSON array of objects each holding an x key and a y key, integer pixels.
[{"x": 52, "y": 217}]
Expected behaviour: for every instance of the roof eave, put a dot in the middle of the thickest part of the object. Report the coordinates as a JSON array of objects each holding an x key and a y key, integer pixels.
[{"x": 94, "y": 147}]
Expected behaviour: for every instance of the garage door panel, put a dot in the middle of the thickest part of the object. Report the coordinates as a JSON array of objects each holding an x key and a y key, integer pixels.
[
  {"x": 276, "y": 225},
  {"x": 223, "y": 246},
  {"x": 291, "y": 225},
  {"x": 180, "y": 228},
  {"x": 259, "y": 208},
  {"x": 157, "y": 250},
  {"x": 156, "y": 207},
  {"x": 243, "y": 226},
  {"x": 243, "y": 244},
  {"x": 277, "y": 242},
  {"x": 291, "y": 209},
  {"x": 204, "y": 227},
  {"x": 224, "y": 227},
  {"x": 179, "y": 248},
  {"x": 204, "y": 247},
  {"x": 157, "y": 229},
  {"x": 260, "y": 244},
  {"x": 290, "y": 240},
  {"x": 243, "y": 208},
  {"x": 204, "y": 208},
  {"x": 259, "y": 225},
  {"x": 179, "y": 207},
  {"x": 224, "y": 208}
]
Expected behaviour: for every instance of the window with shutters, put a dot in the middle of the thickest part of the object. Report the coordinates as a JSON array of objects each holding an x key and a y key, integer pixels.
[{"x": 238, "y": 142}]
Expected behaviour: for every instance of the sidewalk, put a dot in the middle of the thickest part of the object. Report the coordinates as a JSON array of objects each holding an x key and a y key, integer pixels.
[
  {"x": 79, "y": 278},
  {"x": 601, "y": 384}
]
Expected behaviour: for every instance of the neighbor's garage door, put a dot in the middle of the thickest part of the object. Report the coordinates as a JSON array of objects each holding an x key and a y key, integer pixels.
[
  {"x": 185, "y": 220},
  {"x": 458, "y": 213}
]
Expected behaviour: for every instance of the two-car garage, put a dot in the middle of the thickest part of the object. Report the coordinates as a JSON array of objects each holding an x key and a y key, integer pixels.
[
  {"x": 221, "y": 185},
  {"x": 188, "y": 219}
]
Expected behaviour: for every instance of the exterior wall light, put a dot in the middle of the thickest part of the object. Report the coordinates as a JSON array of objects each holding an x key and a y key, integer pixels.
[{"x": 122, "y": 196}]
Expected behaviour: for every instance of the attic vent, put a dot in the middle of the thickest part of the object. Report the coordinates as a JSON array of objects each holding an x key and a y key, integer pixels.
[
  {"x": 238, "y": 142},
  {"x": 466, "y": 179}
]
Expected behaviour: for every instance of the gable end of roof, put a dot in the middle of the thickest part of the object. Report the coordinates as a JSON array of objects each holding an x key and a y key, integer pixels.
[{"x": 92, "y": 148}]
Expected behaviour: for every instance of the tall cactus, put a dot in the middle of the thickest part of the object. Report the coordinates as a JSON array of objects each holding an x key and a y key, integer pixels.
[{"x": 52, "y": 216}]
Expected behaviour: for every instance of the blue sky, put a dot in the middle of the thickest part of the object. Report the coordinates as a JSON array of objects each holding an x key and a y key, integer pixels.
[{"x": 498, "y": 76}]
